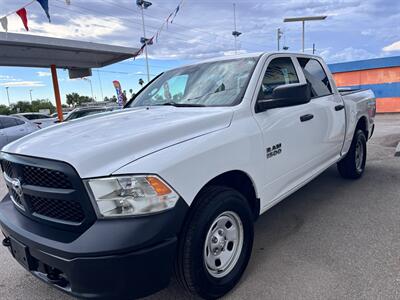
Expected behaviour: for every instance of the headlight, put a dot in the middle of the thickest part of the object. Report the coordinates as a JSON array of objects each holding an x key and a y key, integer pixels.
[{"x": 131, "y": 195}]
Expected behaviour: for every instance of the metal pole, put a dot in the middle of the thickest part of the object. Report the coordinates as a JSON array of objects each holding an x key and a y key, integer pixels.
[
  {"x": 234, "y": 24},
  {"x": 91, "y": 88},
  {"x": 101, "y": 86},
  {"x": 8, "y": 96},
  {"x": 145, "y": 48},
  {"x": 57, "y": 92},
  {"x": 303, "y": 34}
]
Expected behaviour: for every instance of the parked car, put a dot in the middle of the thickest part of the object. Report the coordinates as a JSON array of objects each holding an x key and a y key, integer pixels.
[
  {"x": 113, "y": 203},
  {"x": 83, "y": 112},
  {"x": 42, "y": 120},
  {"x": 55, "y": 115},
  {"x": 12, "y": 128}
]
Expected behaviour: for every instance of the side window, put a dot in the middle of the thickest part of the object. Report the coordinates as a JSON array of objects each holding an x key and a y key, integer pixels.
[
  {"x": 280, "y": 71},
  {"x": 19, "y": 122},
  {"x": 8, "y": 122},
  {"x": 316, "y": 77}
]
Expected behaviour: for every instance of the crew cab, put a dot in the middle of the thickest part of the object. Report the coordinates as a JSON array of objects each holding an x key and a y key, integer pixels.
[{"x": 109, "y": 206}]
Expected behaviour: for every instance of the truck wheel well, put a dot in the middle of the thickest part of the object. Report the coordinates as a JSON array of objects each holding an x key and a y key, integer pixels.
[
  {"x": 362, "y": 124},
  {"x": 241, "y": 182}
]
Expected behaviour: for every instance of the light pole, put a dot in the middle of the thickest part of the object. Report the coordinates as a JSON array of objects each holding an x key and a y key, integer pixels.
[
  {"x": 30, "y": 93},
  {"x": 91, "y": 86},
  {"x": 235, "y": 33},
  {"x": 303, "y": 20},
  {"x": 279, "y": 34},
  {"x": 8, "y": 96},
  {"x": 144, "y": 5}
]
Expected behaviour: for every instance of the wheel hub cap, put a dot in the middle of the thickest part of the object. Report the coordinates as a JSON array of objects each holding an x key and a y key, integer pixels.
[{"x": 223, "y": 244}]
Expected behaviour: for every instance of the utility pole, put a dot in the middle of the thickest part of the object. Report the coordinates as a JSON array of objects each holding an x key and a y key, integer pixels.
[
  {"x": 279, "y": 34},
  {"x": 101, "y": 85},
  {"x": 313, "y": 48},
  {"x": 144, "y": 5},
  {"x": 8, "y": 96},
  {"x": 30, "y": 93},
  {"x": 235, "y": 33}
]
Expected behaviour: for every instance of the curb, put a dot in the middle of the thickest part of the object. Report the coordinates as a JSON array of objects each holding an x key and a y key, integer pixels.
[{"x": 397, "y": 153}]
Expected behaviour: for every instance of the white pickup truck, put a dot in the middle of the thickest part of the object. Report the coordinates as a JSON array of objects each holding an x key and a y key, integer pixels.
[{"x": 108, "y": 206}]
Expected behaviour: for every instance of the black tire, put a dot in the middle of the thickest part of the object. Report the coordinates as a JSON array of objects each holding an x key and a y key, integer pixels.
[
  {"x": 191, "y": 269},
  {"x": 349, "y": 167}
]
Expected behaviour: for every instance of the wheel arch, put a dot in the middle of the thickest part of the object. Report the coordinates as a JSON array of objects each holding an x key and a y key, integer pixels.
[
  {"x": 362, "y": 124},
  {"x": 241, "y": 182}
]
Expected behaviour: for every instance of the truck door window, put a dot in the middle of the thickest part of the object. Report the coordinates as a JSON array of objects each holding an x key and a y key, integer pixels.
[
  {"x": 316, "y": 77},
  {"x": 280, "y": 71}
]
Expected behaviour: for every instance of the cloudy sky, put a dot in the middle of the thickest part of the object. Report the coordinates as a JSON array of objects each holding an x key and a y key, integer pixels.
[{"x": 354, "y": 29}]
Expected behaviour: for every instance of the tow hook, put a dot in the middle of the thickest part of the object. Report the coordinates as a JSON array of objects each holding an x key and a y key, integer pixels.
[
  {"x": 6, "y": 242},
  {"x": 54, "y": 277}
]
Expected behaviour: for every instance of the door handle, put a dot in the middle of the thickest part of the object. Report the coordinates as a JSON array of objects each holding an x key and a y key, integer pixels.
[
  {"x": 307, "y": 117},
  {"x": 339, "y": 107}
]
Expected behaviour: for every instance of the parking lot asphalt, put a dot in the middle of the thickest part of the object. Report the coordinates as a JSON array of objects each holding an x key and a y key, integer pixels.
[{"x": 333, "y": 239}]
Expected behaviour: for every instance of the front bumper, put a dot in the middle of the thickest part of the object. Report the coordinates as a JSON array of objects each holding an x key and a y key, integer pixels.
[{"x": 113, "y": 259}]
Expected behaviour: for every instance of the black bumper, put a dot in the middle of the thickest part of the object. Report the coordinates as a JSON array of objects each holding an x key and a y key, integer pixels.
[{"x": 113, "y": 259}]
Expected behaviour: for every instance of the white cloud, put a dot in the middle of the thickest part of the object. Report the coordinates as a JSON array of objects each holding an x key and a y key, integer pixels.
[
  {"x": 81, "y": 27},
  {"x": 23, "y": 84},
  {"x": 346, "y": 54},
  {"x": 43, "y": 74},
  {"x": 392, "y": 47}
]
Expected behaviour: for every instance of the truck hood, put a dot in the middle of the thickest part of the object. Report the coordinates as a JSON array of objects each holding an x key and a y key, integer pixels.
[{"x": 101, "y": 144}]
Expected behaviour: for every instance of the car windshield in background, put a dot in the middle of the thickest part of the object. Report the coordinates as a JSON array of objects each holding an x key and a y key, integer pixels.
[
  {"x": 83, "y": 113},
  {"x": 208, "y": 84}
]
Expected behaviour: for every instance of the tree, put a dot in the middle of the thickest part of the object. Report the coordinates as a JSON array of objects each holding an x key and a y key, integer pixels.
[
  {"x": 42, "y": 104},
  {"x": 75, "y": 99},
  {"x": 4, "y": 110}
]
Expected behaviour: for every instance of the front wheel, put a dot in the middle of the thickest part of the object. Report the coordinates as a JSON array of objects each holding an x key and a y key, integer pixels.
[
  {"x": 353, "y": 165},
  {"x": 216, "y": 243}
]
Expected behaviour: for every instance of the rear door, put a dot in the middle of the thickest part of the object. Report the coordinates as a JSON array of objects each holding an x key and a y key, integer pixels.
[{"x": 329, "y": 113}]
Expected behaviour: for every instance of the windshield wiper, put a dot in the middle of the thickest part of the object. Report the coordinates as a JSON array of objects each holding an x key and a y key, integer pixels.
[{"x": 184, "y": 104}]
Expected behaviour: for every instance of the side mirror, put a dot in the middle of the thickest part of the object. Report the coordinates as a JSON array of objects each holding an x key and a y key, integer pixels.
[{"x": 286, "y": 95}]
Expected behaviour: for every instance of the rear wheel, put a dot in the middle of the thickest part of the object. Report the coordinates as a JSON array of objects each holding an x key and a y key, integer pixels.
[
  {"x": 353, "y": 165},
  {"x": 216, "y": 243}
]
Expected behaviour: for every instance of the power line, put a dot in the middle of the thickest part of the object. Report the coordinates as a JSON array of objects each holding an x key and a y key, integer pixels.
[
  {"x": 134, "y": 22},
  {"x": 138, "y": 23}
]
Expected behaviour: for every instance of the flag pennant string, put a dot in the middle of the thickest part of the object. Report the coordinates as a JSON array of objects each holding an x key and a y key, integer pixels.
[
  {"x": 23, "y": 13},
  {"x": 156, "y": 36}
]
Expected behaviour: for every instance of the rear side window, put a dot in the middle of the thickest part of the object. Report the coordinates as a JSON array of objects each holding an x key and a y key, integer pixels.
[
  {"x": 280, "y": 71},
  {"x": 19, "y": 122},
  {"x": 8, "y": 122},
  {"x": 316, "y": 77}
]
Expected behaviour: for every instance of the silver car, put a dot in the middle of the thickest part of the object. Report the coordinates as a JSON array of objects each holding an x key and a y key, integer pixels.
[
  {"x": 42, "y": 120},
  {"x": 12, "y": 128}
]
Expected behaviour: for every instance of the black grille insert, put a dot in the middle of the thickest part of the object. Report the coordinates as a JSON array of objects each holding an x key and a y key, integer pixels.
[
  {"x": 64, "y": 210},
  {"x": 45, "y": 177}
]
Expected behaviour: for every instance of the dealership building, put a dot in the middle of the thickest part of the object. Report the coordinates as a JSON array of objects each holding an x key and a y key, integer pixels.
[{"x": 382, "y": 75}]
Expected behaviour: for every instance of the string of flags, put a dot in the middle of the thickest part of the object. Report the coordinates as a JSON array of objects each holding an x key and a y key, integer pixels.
[
  {"x": 169, "y": 20},
  {"x": 23, "y": 13}
]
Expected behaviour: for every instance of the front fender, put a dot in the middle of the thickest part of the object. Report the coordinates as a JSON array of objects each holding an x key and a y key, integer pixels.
[{"x": 188, "y": 167}]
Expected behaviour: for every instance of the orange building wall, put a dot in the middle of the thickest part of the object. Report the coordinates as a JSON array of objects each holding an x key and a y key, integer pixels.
[{"x": 373, "y": 77}]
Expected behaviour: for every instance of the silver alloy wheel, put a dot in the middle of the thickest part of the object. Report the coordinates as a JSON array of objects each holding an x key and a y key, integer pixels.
[
  {"x": 359, "y": 155},
  {"x": 223, "y": 244}
]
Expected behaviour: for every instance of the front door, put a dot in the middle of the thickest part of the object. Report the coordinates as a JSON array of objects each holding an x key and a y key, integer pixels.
[{"x": 288, "y": 132}]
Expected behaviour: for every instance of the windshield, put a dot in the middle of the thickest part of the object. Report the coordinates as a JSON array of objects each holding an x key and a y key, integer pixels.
[
  {"x": 83, "y": 113},
  {"x": 208, "y": 84}
]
